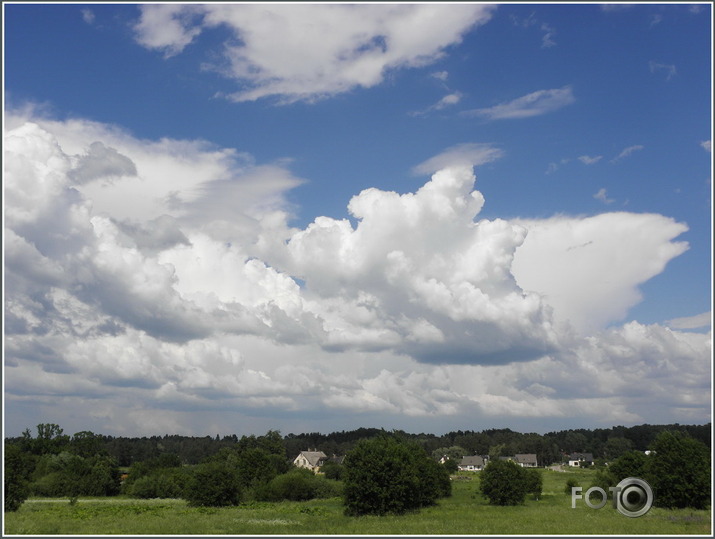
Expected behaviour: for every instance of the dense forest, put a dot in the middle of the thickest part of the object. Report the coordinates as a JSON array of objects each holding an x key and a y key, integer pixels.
[{"x": 549, "y": 448}]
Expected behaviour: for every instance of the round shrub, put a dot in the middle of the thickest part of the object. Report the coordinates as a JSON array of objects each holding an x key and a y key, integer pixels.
[
  {"x": 387, "y": 475},
  {"x": 504, "y": 482},
  {"x": 213, "y": 484}
]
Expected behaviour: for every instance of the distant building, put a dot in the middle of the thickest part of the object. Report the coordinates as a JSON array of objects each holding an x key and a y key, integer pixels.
[
  {"x": 472, "y": 463},
  {"x": 312, "y": 460},
  {"x": 581, "y": 459},
  {"x": 526, "y": 460}
]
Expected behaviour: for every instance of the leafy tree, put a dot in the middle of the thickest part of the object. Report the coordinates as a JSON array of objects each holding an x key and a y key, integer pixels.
[
  {"x": 258, "y": 466},
  {"x": 504, "y": 482},
  {"x": 159, "y": 477},
  {"x": 15, "y": 477},
  {"x": 67, "y": 474},
  {"x": 386, "y": 475},
  {"x": 455, "y": 452},
  {"x": 332, "y": 470},
  {"x": 534, "y": 482},
  {"x": 452, "y": 466},
  {"x": 570, "y": 483},
  {"x": 604, "y": 479},
  {"x": 213, "y": 484},
  {"x": 497, "y": 451},
  {"x": 679, "y": 471},
  {"x": 630, "y": 464},
  {"x": 86, "y": 444},
  {"x": 617, "y": 446}
]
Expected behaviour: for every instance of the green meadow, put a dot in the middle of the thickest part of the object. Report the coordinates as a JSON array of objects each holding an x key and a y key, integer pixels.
[{"x": 466, "y": 512}]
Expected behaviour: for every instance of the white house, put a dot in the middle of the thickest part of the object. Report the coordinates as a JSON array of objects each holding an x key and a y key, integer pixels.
[
  {"x": 526, "y": 460},
  {"x": 472, "y": 463},
  {"x": 312, "y": 460},
  {"x": 581, "y": 459}
]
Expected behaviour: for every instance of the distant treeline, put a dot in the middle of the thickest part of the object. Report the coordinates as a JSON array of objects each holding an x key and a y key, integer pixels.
[{"x": 549, "y": 448}]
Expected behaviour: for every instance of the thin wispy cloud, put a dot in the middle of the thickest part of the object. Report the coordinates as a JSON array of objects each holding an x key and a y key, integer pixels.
[
  {"x": 533, "y": 104},
  {"x": 547, "y": 39},
  {"x": 627, "y": 151},
  {"x": 556, "y": 165},
  {"x": 603, "y": 197},
  {"x": 87, "y": 15},
  {"x": 706, "y": 145},
  {"x": 698, "y": 321},
  {"x": 468, "y": 154},
  {"x": 615, "y": 8},
  {"x": 656, "y": 18},
  {"x": 589, "y": 160},
  {"x": 668, "y": 69},
  {"x": 448, "y": 100}
]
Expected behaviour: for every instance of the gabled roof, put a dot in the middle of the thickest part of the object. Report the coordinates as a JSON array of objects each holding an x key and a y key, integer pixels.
[
  {"x": 525, "y": 458},
  {"x": 314, "y": 457},
  {"x": 473, "y": 460},
  {"x": 337, "y": 459},
  {"x": 588, "y": 457}
]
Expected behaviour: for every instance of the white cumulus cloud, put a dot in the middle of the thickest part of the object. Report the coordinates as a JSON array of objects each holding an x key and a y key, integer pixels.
[
  {"x": 307, "y": 52},
  {"x": 589, "y": 269},
  {"x": 417, "y": 307}
]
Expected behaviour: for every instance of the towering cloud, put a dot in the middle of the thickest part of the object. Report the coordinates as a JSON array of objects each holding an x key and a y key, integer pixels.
[{"x": 415, "y": 305}]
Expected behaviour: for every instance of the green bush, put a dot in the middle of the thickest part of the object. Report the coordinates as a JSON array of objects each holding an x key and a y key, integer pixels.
[
  {"x": 297, "y": 485},
  {"x": 534, "y": 482},
  {"x": 213, "y": 484},
  {"x": 605, "y": 479},
  {"x": 332, "y": 470},
  {"x": 163, "y": 483},
  {"x": 15, "y": 478},
  {"x": 386, "y": 475},
  {"x": 570, "y": 483},
  {"x": 451, "y": 465},
  {"x": 504, "y": 482},
  {"x": 678, "y": 470},
  {"x": 629, "y": 464},
  {"x": 67, "y": 474}
]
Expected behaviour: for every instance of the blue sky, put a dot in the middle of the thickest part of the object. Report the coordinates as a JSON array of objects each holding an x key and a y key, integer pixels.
[{"x": 225, "y": 217}]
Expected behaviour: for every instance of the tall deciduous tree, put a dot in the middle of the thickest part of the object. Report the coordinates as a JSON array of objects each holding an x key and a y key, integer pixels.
[{"x": 678, "y": 469}]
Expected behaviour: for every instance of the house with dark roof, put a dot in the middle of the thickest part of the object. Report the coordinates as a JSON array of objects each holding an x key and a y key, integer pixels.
[
  {"x": 473, "y": 463},
  {"x": 526, "y": 460},
  {"x": 581, "y": 459}
]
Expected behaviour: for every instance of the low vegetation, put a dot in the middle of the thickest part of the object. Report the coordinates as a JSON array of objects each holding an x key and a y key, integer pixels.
[
  {"x": 389, "y": 483},
  {"x": 465, "y": 512}
]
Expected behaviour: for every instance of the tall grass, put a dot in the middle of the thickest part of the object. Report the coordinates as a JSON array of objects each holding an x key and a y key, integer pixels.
[{"x": 466, "y": 512}]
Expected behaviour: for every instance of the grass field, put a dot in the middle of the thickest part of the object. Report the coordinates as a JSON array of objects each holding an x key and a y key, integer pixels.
[{"x": 466, "y": 512}]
